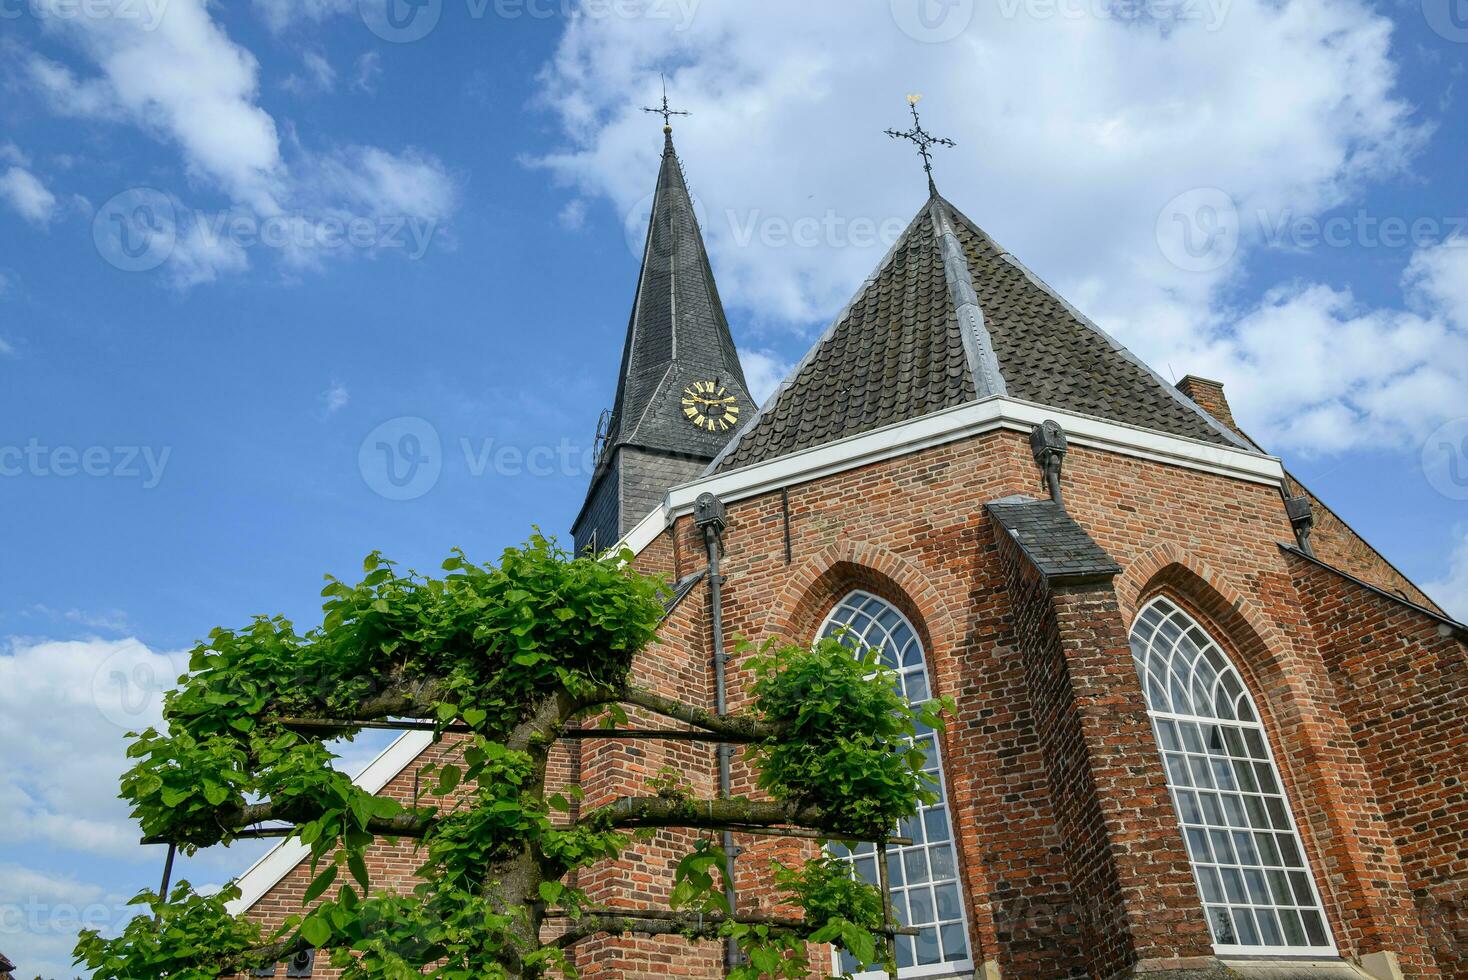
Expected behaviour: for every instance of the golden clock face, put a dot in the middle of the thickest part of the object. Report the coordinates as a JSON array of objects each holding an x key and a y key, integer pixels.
[{"x": 708, "y": 405}]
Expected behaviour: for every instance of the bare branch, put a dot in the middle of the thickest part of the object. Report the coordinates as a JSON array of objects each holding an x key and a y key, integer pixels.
[
  {"x": 655, "y": 922},
  {"x": 661, "y": 811},
  {"x": 412, "y": 823},
  {"x": 733, "y": 727}
]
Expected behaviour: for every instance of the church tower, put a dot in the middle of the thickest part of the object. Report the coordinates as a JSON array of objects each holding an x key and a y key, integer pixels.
[{"x": 681, "y": 393}]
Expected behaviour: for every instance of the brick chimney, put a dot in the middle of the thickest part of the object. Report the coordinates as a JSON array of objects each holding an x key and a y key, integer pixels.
[{"x": 1208, "y": 395}]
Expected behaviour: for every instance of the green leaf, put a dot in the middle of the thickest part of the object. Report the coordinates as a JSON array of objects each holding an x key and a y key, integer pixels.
[
  {"x": 319, "y": 885},
  {"x": 316, "y": 931},
  {"x": 448, "y": 779},
  {"x": 358, "y": 867}
]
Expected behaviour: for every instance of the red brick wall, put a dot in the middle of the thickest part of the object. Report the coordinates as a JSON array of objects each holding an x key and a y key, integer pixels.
[
  {"x": 1402, "y": 679},
  {"x": 1107, "y": 786},
  {"x": 914, "y": 530}
]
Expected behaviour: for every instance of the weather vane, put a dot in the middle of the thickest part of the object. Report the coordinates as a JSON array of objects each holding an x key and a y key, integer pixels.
[
  {"x": 923, "y": 139},
  {"x": 665, "y": 112}
]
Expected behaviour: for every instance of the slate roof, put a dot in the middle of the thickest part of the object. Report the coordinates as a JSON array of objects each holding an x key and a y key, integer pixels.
[
  {"x": 1051, "y": 539},
  {"x": 5, "y": 967},
  {"x": 677, "y": 332},
  {"x": 909, "y": 344}
]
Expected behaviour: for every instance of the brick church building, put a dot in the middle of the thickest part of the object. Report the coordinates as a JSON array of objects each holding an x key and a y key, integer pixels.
[{"x": 1202, "y": 729}]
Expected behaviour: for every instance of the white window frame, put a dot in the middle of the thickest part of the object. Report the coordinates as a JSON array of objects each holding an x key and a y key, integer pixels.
[
  {"x": 1173, "y": 611},
  {"x": 952, "y": 967}
]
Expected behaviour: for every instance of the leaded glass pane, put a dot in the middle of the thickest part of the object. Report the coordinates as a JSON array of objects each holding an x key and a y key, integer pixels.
[
  {"x": 923, "y": 877},
  {"x": 1245, "y": 850}
]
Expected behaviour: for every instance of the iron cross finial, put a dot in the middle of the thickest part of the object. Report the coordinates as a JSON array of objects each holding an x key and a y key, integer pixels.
[
  {"x": 923, "y": 139},
  {"x": 664, "y": 111}
]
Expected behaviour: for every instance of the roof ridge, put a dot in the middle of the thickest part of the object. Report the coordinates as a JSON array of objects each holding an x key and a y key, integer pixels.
[
  {"x": 1007, "y": 256},
  {"x": 978, "y": 345}
]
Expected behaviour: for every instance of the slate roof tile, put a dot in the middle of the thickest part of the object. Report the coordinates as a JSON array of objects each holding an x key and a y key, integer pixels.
[
  {"x": 897, "y": 352},
  {"x": 1050, "y": 538}
]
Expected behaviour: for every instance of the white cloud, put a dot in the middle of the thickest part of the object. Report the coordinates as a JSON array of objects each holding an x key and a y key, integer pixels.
[
  {"x": 187, "y": 82},
  {"x": 368, "y": 71},
  {"x": 111, "y": 620},
  {"x": 335, "y": 398},
  {"x": 67, "y": 94},
  {"x": 1310, "y": 368},
  {"x": 199, "y": 255},
  {"x": 282, "y": 14},
  {"x": 1451, "y": 591},
  {"x": 25, "y": 193},
  {"x": 383, "y": 183},
  {"x": 318, "y": 75},
  {"x": 573, "y": 214},
  {"x": 40, "y": 914},
  {"x": 65, "y": 709},
  {"x": 10, "y": 153},
  {"x": 1439, "y": 278},
  {"x": 1074, "y": 133},
  {"x": 763, "y": 370}
]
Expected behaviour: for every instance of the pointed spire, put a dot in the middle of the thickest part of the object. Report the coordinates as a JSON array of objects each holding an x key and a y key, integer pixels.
[
  {"x": 681, "y": 393},
  {"x": 678, "y": 333}
]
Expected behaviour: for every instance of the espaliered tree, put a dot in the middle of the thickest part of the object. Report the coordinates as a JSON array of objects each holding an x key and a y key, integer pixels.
[{"x": 501, "y": 661}]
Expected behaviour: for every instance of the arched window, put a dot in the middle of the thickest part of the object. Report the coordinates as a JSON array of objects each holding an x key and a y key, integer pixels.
[
  {"x": 923, "y": 876},
  {"x": 1258, "y": 893}
]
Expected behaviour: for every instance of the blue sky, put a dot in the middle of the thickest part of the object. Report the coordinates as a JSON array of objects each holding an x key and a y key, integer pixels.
[{"x": 245, "y": 244}]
